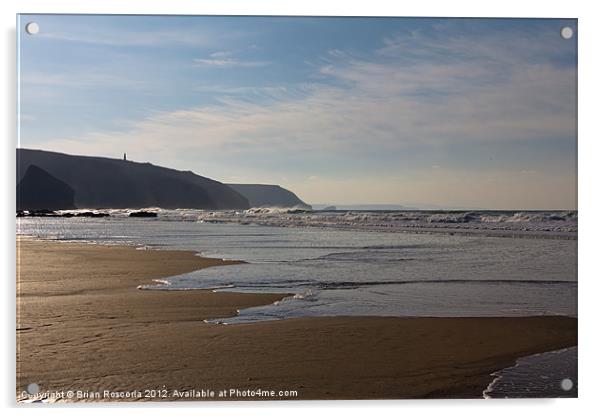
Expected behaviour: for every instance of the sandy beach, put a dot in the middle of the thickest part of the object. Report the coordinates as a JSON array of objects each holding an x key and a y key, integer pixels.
[{"x": 82, "y": 325}]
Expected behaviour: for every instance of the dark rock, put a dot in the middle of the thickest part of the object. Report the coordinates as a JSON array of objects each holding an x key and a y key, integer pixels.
[
  {"x": 41, "y": 192},
  {"x": 37, "y": 213},
  {"x": 143, "y": 214},
  {"x": 90, "y": 214}
]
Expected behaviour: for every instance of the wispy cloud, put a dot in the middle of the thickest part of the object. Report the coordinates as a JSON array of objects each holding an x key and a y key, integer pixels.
[
  {"x": 231, "y": 59},
  {"x": 228, "y": 63},
  {"x": 381, "y": 104},
  {"x": 81, "y": 80},
  {"x": 414, "y": 91},
  {"x": 148, "y": 38},
  {"x": 221, "y": 54},
  {"x": 390, "y": 102}
]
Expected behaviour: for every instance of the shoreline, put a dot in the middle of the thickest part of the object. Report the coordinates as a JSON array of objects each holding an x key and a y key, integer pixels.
[
  {"x": 82, "y": 324},
  {"x": 450, "y": 231}
]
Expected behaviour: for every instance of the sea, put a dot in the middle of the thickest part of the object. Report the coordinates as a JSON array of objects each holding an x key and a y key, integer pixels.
[{"x": 380, "y": 263}]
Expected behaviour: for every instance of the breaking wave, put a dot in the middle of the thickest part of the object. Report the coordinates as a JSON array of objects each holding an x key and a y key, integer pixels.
[{"x": 557, "y": 224}]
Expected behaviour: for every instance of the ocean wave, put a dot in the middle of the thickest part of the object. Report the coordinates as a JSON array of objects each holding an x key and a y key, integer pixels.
[
  {"x": 276, "y": 210},
  {"x": 306, "y": 289},
  {"x": 454, "y": 218},
  {"x": 357, "y": 284},
  {"x": 513, "y": 223}
]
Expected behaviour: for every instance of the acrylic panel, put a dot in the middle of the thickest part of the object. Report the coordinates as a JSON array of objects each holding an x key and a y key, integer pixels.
[{"x": 295, "y": 208}]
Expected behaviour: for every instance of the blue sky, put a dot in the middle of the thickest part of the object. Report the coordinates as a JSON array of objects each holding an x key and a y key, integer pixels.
[{"x": 448, "y": 112}]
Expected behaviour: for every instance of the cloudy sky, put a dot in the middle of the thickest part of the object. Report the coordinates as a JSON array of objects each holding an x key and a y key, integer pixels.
[{"x": 448, "y": 112}]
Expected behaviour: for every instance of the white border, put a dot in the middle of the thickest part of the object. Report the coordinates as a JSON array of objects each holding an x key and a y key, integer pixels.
[{"x": 590, "y": 203}]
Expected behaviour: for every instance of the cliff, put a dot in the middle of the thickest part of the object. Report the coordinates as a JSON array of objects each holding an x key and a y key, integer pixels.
[
  {"x": 269, "y": 196},
  {"x": 99, "y": 182}
]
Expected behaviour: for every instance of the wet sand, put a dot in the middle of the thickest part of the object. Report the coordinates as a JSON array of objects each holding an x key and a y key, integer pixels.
[{"x": 82, "y": 325}]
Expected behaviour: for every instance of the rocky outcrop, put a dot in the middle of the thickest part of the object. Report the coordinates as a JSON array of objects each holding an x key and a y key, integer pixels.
[{"x": 40, "y": 191}]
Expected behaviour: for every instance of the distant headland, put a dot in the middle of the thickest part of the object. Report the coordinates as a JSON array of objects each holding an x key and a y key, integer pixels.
[{"x": 54, "y": 181}]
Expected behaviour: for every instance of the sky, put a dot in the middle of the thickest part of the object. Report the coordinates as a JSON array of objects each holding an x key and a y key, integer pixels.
[{"x": 451, "y": 113}]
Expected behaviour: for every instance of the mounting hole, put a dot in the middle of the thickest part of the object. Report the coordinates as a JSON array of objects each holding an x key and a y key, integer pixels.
[
  {"x": 33, "y": 388},
  {"x": 566, "y": 384},
  {"x": 32, "y": 28},
  {"x": 566, "y": 32}
]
